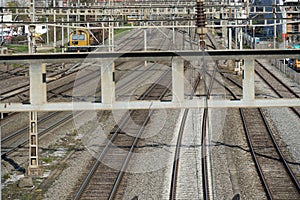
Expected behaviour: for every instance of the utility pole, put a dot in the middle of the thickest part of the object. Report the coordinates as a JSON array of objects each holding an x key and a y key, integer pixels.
[
  {"x": 47, "y": 20},
  {"x": 275, "y": 24},
  {"x": 31, "y": 29},
  {"x": 37, "y": 75}
]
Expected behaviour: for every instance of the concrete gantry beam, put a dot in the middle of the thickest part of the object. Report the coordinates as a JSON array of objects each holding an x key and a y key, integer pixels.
[
  {"x": 38, "y": 101},
  {"x": 152, "y": 55},
  {"x": 125, "y": 105}
]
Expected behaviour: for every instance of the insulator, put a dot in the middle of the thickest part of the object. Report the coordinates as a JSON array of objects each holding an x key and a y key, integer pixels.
[{"x": 200, "y": 15}]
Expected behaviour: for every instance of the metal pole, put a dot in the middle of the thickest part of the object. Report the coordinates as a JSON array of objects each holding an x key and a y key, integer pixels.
[
  {"x": 62, "y": 35},
  {"x": 1, "y": 117},
  {"x": 145, "y": 39},
  {"x": 54, "y": 33},
  {"x": 274, "y": 13},
  {"x": 47, "y": 20},
  {"x": 68, "y": 29},
  {"x": 2, "y": 37}
]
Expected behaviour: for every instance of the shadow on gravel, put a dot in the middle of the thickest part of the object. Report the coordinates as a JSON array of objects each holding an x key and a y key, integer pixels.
[
  {"x": 247, "y": 150},
  {"x": 13, "y": 163}
]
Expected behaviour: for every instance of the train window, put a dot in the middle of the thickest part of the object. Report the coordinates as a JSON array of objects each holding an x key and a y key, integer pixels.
[
  {"x": 81, "y": 37},
  {"x": 74, "y": 37}
]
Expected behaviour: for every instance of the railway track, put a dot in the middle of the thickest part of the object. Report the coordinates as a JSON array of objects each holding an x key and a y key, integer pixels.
[
  {"x": 278, "y": 179},
  {"x": 13, "y": 141},
  {"x": 23, "y": 87},
  {"x": 136, "y": 118},
  {"x": 12, "y": 73},
  {"x": 281, "y": 89},
  {"x": 99, "y": 182},
  {"x": 204, "y": 151},
  {"x": 108, "y": 188},
  {"x": 17, "y": 139}
]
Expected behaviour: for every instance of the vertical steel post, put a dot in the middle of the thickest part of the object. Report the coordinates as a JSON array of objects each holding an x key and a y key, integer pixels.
[
  {"x": 31, "y": 28},
  {"x": 62, "y": 35},
  {"x": 111, "y": 35},
  {"x": 1, "y": 117},
  {"x": 229, "y": 38},
  {"x": 145, "y": 39},
  {"x": 248, "y": 80},
  {"x": 275, "y": 23},
  {"x": 47, "y": 20},
  {"x": 54, "y": 29}
]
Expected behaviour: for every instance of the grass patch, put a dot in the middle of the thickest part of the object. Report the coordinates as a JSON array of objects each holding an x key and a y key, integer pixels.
[
  {"x": 18, "y": 48},
  {"x": 47, "y": 160},
  {"x": 6, "y": 176}
]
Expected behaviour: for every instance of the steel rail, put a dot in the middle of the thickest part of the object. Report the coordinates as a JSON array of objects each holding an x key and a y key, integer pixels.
[
  {"x": 286, "y": 166},
  {"x": 175, "y": 168},
  {"x": 127, "y": 159},
  {"x": 258, "y": 168},
  {"x": 178, "y": 145},
  {"x": 260, "y": 173},
  {"x": 13, "y": 135},
  {"x": 204, "y": 141},
  {"x": 107, "y": 147},
  {"x": 43, "y": 132},
  {"x": 288, "y": 169},
  {"x": 25, "y": 86},
  {"x": 48, "y": 116},
  {"x": 281, "y": 83},
  {"x": 277, "y": 79},
  {"x": 102, "y": 155}
]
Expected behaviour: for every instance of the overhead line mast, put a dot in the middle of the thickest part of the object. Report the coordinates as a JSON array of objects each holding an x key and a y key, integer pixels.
[{"x": 37, "y": 81}]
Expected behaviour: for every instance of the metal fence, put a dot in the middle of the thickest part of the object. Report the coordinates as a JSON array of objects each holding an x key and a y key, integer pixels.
[{"x": 286, "y": 70}]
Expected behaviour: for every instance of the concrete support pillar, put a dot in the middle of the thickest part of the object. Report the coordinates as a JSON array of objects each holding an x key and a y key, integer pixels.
[
  {"x": 34, "y": 169},
  {"x": 177, "y": 80},
  {"x": 38, "y": 95},
  {"x": 107, "y": 82},
  {"x": 38, "y": 88},
  {"x": 248, "y": 80}
]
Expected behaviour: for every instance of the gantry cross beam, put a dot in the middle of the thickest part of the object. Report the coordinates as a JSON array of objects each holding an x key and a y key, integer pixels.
[{"x": 108, "y": 102}]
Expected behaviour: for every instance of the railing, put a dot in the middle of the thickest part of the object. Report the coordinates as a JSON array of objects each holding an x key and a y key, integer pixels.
[{"x": 289, "y": 72}]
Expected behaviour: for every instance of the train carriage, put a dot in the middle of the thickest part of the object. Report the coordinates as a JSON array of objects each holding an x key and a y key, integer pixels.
[{"x": 83, "y": 40}]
